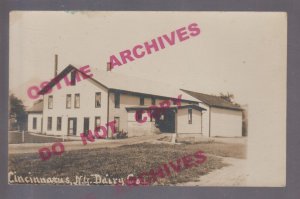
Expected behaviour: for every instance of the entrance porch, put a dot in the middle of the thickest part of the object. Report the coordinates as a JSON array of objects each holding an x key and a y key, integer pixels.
[{"x": 143, "y": 120}]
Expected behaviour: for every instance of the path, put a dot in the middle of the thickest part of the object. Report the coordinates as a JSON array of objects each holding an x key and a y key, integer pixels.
[{"x": 233, "y": 175}]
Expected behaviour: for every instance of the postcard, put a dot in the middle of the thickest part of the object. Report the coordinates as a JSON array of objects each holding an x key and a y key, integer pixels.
[{"x": 147, "y": 98}]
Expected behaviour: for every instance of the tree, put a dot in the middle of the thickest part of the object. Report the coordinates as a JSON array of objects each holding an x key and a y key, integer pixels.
[
  {"x": 17, "y": 110},
  {"x": 228, "y": 97}
]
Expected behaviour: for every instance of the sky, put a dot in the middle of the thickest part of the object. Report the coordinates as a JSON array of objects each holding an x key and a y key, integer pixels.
[
  {"x": 231, "y": 47},
  {"x": 243, "y": 53}
]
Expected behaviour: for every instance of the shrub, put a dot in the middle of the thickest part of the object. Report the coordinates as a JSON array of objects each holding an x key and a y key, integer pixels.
[{"x": 120, "y": 135}]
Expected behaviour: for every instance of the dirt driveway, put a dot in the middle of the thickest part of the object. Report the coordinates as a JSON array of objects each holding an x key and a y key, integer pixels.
[{"x": 232, "y": 175}]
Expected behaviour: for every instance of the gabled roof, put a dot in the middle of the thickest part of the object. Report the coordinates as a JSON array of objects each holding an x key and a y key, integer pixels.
[
  {"x": 213, "y": 101},
  {"x": 37, "y": 107},
  {"x": 115, "y": 81},
  {"x": 59, "y": 77}
]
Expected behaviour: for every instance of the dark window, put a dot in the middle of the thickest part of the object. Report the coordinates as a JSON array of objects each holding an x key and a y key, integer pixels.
[
  {"x": 58, "y": 124},
  {"x": 68, "y": 101},
  {"x": 34, "y": 123},
  {"x": 49, "y": 124},
  {"x": 153, "y": 101},
  {"x": 73, "y": 78},
  {"x": 98, "y": 100},
  {"x": 97, "y": 122},
  {"x": 117, "y": 100},
  {"x": 142, "y": 100},
  {"x": 50, "y": 102},
  {"x": 77, "y": 100},
  {"x": 117, "y": 125},
  {"x": 190, "y": 113},
  {"x": 139, "y": 114}
]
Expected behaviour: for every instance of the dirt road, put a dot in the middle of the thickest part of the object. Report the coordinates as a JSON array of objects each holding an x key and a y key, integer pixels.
[{"x": 233, "y": 175}]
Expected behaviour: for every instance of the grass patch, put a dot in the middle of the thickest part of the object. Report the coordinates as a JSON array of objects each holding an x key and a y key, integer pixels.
[
  {"x": 121, "y": 161},
  {"x": 16, "y": 138},
  {"x": 233, "y": 150}
]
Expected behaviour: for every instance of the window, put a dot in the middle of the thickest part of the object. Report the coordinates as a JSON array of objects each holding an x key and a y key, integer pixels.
[
  {"x": 142, "y": 100},
  {"x": 58, "y": 124},
  {"x": 98, "y": 100},
  {"x": 153, "y": 101},
  {"x": 77, "y": 100},
  {"x": 117, "y": 125},
  {"x": 97, "y": 122},
  {"x": 190, "y": 113},
  {"x": 117, "y": 100},
  {"x": 73, "y": 78},
  {"x": 34, "y": 123},
  {"x": 68, "y": 102},
  {"x": 50, "y": 102},
  {"x": 49, "y": 124}
]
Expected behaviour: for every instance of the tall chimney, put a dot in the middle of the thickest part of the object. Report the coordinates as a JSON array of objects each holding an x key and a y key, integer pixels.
[
  {"x": 55, "y": 64},
  {"x": 108, "y": 66}
]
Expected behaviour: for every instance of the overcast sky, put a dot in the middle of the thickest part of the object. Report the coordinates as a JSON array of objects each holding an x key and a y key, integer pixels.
[{"x": 232, "y": 53}]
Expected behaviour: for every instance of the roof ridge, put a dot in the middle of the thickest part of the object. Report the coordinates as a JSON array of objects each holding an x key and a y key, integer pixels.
[{"x": 213, "y": 100}]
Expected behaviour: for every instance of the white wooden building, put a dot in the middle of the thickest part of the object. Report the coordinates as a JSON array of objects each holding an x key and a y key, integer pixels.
[
  {"x": 105, "y": 96},
  {"x": 222, "y": 118},
  {"x": 35, "y": 117}
]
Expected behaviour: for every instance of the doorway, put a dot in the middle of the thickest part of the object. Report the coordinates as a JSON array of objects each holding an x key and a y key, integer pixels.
[
  {"x": 86, "y": 125},
  {"x": 117, "y": 125},
  {"x": 166, "y": 121},
  {"x": 72, "y": 126},
  {"x": 41, "y": 125}
]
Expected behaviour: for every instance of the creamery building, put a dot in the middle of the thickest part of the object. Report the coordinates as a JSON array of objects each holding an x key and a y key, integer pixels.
[{"x": 76, "y": 101}]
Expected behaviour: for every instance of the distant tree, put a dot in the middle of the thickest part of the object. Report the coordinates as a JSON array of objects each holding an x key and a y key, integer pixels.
[
  {"x": 17, "y": 110},
  {"x": 228, "y": 97}
]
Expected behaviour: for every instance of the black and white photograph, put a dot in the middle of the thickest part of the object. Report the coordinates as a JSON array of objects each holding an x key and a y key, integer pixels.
[{"x": 115, "y": 98}]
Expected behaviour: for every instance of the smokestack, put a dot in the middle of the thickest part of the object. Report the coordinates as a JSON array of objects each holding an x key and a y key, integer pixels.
[
  {"x": 108, "y": 66},
  {"x": 55, "y": 64}
]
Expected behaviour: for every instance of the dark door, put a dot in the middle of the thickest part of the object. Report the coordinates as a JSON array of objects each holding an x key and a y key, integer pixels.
[
  {"x": 72, "y": 126},
  {"x": 86, "y": 125},
  {"x": 41, "y": 125},
  {"x": 166, "y": 122}
]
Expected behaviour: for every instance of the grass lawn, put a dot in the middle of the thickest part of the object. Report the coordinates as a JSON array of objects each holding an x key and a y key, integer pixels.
[
  {"x": 121, "y": 161},
  {"x": 16, "y": 138}
]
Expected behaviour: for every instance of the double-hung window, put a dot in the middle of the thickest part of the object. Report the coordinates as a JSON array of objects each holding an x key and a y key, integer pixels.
[
  {"x": 190, "y": 114},
  {"x": 68, "y": 101},
  {"x": 77, "y": 100},
  {"x": 98, "y": 100},
  {"x": 117, "y": 100},
  {"x": 50, "y": 102}
]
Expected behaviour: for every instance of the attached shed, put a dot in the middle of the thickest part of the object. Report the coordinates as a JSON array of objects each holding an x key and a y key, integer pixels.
[
  {"x": 189, "y": 120},
  {"x": 183, "y": 120},
  {"x": 35, "y": 117},
  {"x": 222, "y": 118}
]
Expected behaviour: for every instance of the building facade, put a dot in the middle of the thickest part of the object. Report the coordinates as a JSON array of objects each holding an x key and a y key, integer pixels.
[{"x": 88, "y": 101}]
